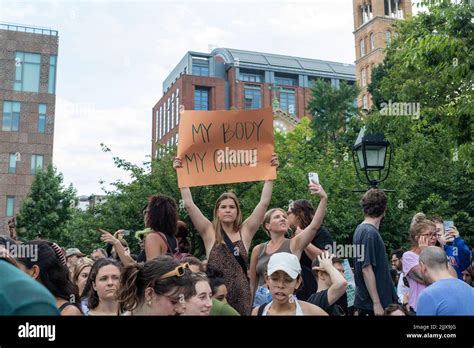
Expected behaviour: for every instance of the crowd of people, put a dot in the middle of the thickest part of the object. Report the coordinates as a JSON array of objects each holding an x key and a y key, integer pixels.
[{"x": 293, "y": 275}]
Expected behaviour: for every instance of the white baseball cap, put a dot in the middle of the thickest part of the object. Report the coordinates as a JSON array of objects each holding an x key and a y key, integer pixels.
[{"x": 286, "y": 262}]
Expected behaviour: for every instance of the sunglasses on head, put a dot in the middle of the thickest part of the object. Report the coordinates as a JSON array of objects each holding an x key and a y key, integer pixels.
[{"x": 179, "y": 271}]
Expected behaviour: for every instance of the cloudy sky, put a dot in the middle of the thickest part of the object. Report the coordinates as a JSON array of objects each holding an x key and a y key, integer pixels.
[{"x": 114, "y": 55}]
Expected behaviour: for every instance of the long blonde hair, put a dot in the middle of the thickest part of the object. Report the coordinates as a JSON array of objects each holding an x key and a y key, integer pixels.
[{"x": 217, "y": 222}]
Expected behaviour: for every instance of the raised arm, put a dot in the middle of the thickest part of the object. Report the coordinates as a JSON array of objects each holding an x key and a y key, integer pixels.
[
  {"x": 301, "y": 241},
  {"x": 312, "y": 251},
  {"x": 200, "y": 222},
  {"x": 107, "y": 237},
  {"x": 339, "y": 283},
  {"x": 252, "y": 223}
]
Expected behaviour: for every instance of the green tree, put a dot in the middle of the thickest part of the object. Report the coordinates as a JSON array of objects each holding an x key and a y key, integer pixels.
[
  {"x": 331, "y": 108},
  {"x": 430, "y": 65},
  {"x": 47, "y": 208}
]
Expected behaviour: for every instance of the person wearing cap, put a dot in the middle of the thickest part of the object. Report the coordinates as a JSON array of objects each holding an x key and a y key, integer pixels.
[
  {"x": 72, "y": 257},
  {"x": 283, "y": 277}
]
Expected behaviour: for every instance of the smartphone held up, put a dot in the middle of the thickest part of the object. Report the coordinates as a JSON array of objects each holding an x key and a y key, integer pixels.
[{"x": 313, "y": 178}]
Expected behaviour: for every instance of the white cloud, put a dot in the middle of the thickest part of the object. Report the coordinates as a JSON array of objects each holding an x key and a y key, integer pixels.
[{"x": 80, "y": 129}]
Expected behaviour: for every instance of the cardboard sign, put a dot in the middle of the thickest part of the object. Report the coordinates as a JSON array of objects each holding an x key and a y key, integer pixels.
[{"x": 221, "y": 147}]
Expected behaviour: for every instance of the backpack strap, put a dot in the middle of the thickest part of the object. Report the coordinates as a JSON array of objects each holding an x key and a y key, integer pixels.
[
  {"x": 161, "y": 234},
  {"x": 64, "y": 305},
  {"x": 262, "y": 308},
  {"x": 238, "y": 257}
]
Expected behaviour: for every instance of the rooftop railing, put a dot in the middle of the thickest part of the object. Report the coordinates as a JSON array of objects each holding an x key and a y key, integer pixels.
[{"x": 28, "y": 29}]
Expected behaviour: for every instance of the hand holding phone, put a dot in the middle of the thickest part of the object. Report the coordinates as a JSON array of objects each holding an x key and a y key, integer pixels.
[
  {"x": 447, "y": 226},
  {"x": 313, "y": 178}
]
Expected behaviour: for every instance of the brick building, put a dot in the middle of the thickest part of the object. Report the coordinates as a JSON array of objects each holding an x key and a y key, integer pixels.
[
  {"x": 373, "y": 31},
  {"x": 235, "y": 79},
  {"x": 28, "y": 59}
]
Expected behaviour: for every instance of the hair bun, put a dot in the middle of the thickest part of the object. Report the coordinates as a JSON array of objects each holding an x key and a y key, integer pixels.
[{"x": 419, "y": 217}]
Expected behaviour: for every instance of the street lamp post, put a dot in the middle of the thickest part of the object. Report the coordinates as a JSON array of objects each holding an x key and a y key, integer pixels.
[{"x": 371, "y": 151}]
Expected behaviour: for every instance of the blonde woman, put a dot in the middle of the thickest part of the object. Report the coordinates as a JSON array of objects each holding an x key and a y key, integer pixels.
[
  {"x": 276, "y": 224},
  {"x": 422, "y": 235},
  {"x": 227, "y": 239},
  {"x": 81, "y": 273}
]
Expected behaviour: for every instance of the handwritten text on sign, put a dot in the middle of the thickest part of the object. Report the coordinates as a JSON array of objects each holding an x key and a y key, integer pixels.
[{"x": 219, "y": 147}]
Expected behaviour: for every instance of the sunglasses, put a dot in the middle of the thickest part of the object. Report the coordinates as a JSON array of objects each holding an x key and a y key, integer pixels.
[{"x": 179, "y": 271}]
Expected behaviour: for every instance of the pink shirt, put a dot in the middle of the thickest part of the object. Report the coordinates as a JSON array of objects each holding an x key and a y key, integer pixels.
[{"x": 410, "y": 260}]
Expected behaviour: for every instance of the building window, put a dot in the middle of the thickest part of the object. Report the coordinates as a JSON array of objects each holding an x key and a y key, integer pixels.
[
  {"x": 52, "y": 74},
  {"x": 36, "y": 163},
  {"x": 288, "y": 101},
  {"x": 201, "y": 66},
  {"x": 366, "y": 12},
  {"x": 12, "y": 164},
  {"x": 363, "y": 77},
  {"x": 27, "y": 72},
  {"x": 11, "y": 116},
  {"x": 372, "y": 41},
  {"x": 177, "y": 106},
  {"x": 157, "y": 126},
  {"x": 159, "y": 123},
  {"x": 365, "y": 104},
  {"x": 41, "y": 118},
  {"x": 168, "y": 116},
  {"x": 388, "y": 37},
  {"x": 172, "y": 112},
  {"x": 253, "y": 97},
  {"x": 10, "y": 210},
  {"x": 392, "y": 8},
  {"x": 251, "y": 77},
  {"x": 285, "y": 81},
  {"x": 362, "y": 47},
  {"x": 201, "y": 98}
]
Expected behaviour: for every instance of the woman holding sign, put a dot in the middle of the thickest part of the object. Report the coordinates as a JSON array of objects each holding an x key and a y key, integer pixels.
[
  {"x": 227, "y": 239},
  {"x": 275, "y": 223}
]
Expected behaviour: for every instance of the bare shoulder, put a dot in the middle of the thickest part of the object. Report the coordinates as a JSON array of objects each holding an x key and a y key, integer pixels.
[
  {"x": 311, "y": 309},
  {"x": 153, "y": 237},
  {"x": 255, "y": 311},
  {"x": 71, "y": 310}
]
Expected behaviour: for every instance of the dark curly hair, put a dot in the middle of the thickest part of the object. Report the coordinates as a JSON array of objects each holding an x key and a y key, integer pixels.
[
  {"x": 374, "y": 203},
  {"x": 162, "y": 214},
  {"x": 304, "y": 211}
]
